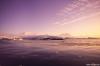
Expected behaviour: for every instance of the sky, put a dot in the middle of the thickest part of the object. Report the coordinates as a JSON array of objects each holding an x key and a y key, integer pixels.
[{"x": 76, "y": 17}]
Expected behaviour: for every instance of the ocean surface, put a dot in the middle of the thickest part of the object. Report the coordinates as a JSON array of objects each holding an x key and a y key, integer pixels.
[{"x": 68, "y": 52}]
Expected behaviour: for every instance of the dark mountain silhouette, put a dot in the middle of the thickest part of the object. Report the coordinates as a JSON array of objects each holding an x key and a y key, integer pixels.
[{"x": 43, "y": 37}]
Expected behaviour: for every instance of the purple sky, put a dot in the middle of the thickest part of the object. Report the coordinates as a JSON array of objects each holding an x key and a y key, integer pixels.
[
  {"x": 37, "y": 16},
  {"x": 76, "y": 17}
]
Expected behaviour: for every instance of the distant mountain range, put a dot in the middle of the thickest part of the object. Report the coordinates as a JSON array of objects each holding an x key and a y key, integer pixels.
[
  {"x": 43, "y": 37},
  {"x": 47, "y": 37},
  {"x": 34, "y": 37}
]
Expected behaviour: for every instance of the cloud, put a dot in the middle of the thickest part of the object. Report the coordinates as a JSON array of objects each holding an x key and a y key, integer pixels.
[{"x": 78, "y": 10}]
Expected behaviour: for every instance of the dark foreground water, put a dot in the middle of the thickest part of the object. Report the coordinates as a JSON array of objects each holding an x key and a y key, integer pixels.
[{"x": 70, "y": 52}]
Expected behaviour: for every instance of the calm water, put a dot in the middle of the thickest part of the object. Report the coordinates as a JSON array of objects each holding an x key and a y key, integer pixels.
[{"x": 69, "y": 52}]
